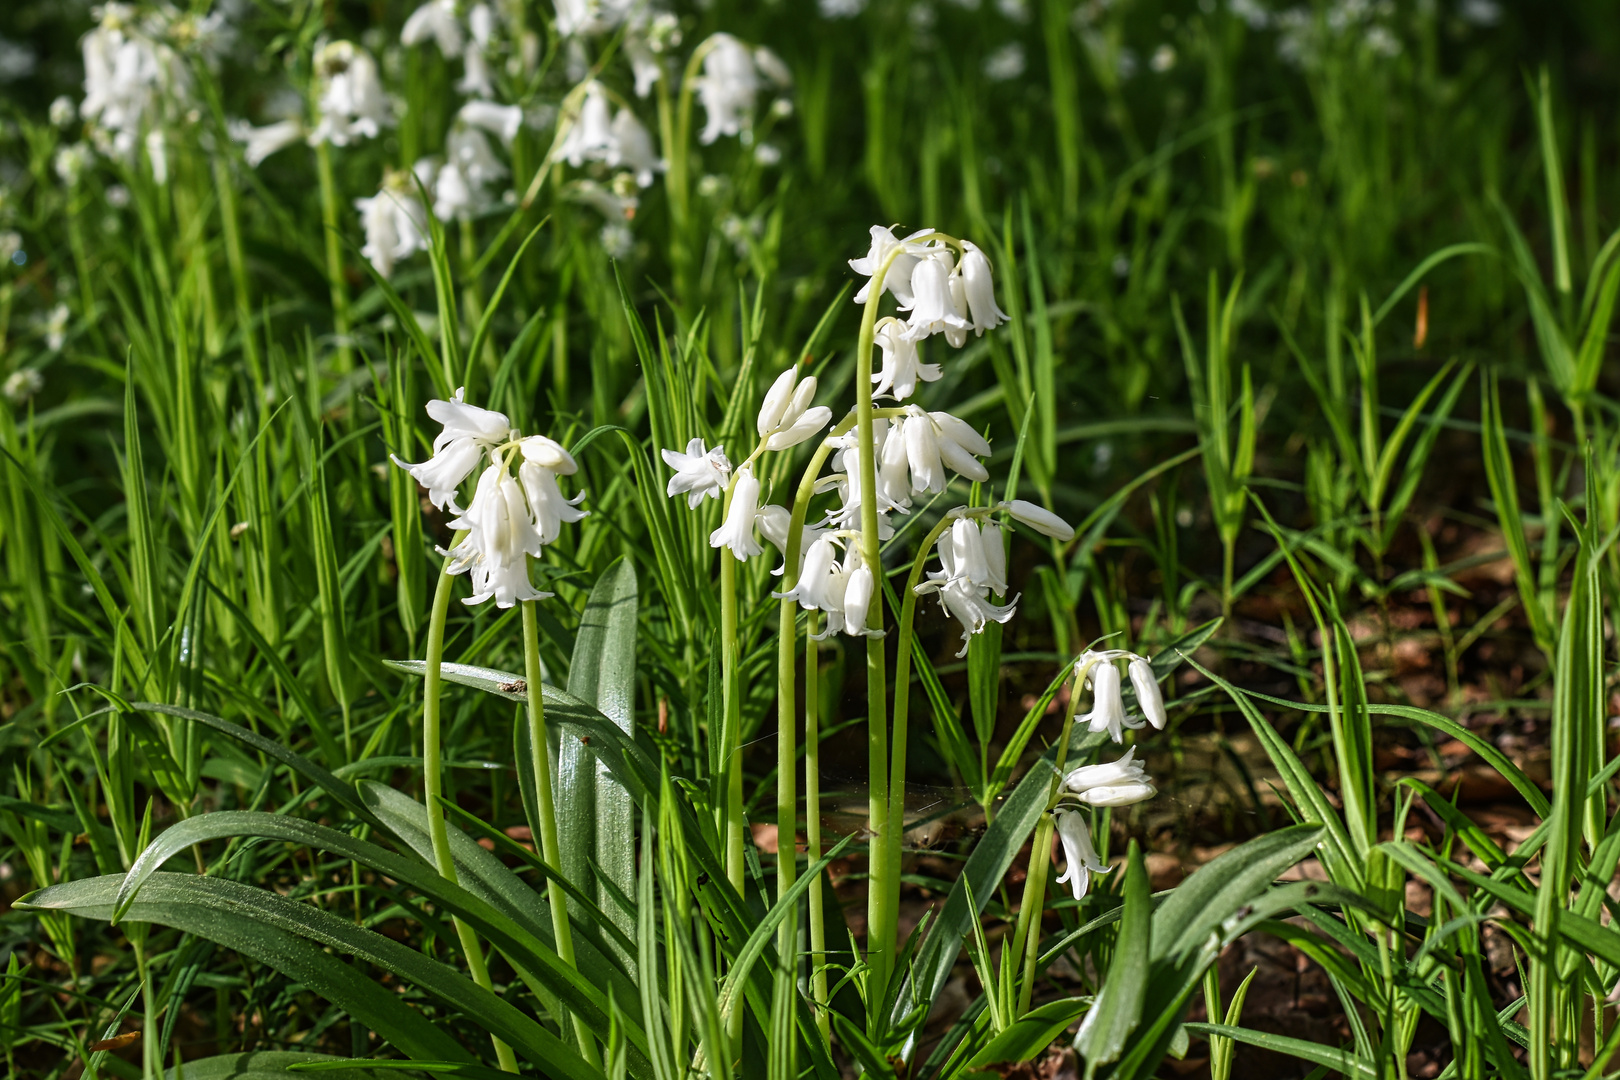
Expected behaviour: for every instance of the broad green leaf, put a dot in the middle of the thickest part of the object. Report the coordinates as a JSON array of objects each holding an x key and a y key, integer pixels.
[
  {"x": 1118, "y": 1009},
  {"x": 1029, "y": 1035},
  {"x": 595, "y": 812},
  {"x": 203, "y": 906}
]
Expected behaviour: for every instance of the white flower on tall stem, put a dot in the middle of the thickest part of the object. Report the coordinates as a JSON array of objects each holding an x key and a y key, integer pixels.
[
  {"x": 1115, "y": 783},
  {"x": 972, "y": 566},
  {"x": 897, "y": 281},
  {"x": 786, "y": 417},
  {"x": 543, "y": 461},
  {"x": 436, "y": 19},
  {"x": 260, "y": 142},
  {"x": 935, "y": 440},
  {"x": 127, "y": 77},
  {"x": 468, "y": 433},
  {"x": 736, "y": 532},
  {"x": 1148, "y": 696},
  {"x": 394, "y": 219},
  {"x": 500, "y": 536},
  {"x": 618, "y": 141},
  {"x": 699, "y": 473},
  {"x": 1078, "y": 852},
  {"x": 979, "y": 289},
  {"x": 935, "y": 307},
  {"x": 501, "y": 121},
  {"x": 511, "y": 519},
  {"x": 774, "y": 522},
  {"x": 902, "y": 367},
  {"x": 1039, "y": 518},
  {"x": 1107, "y": 702},
  {"x": 350, "y": 99},
  {"x": 731, "y": 81}
]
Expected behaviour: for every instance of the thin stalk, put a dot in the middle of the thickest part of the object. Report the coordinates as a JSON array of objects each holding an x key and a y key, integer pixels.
[
  {"x": 787, "y": 761},
  {"x": 540, "y": 747},
  {"x": 896, "y": 815},
  {"x": 1027, "y": 938},
  {"x": 334, "y": 256},
  {"x": 883, "y": 895},
  {"x": 731, "y": 724},
  {"x": 812, "y": 732},
  {"x": 812, "y": 824},
  {"x": 433, "y": 785}
]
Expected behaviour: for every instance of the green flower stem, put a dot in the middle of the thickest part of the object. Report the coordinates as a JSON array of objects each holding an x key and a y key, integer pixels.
[
  {"x": 540, "y": 748},
  {"x": 896, "y": 819},
  {"x": 433, "y": 784},
  {"x": 1027, "y": 937},
  {"x": 334, "y": 255},
  {"x": 812, "y": 824},
  {"x": 787, "y": 755},
  {"x": 731, "y": 723},
  {"x": 881, "y": 913},
  {"x": 787, "y": 761}
]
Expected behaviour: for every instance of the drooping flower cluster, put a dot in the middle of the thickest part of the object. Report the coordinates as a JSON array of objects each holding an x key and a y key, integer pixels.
[
  {"x": 943, "y": 295},
  {"x": 394, "y": 220},
  {"x": 132, "y": 76},
  {"x": 786, "y": 419},
  {"x": 439, "y": 21},
  {"x": 511, "y": 518},
  {"x": 618, "y": 140},
  {"x": 733, "y": 75},
  {"x": 349, "y": 97},
  {"x": 1123, "y": 782}
]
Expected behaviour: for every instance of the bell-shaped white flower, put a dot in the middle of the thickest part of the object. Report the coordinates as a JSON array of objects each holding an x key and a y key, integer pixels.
[
  {"x": 501, "y": 121},
  {"x": 437, "y": 20},
  {"x": 979, "y": 289},
  {"x": 727, "y": 87},
  {"x": 897, "y": 280},
  {"x": 550, "y": 508},
  {"x": 773, "y": 523},
  {"x": 260, "y": 142},
  {"x": 820, "y": 586},
  {"x": 1115, "y": 783},
  {"x": 858, "y": 594},
  {"x": 786, "y": 417},
  {"x": 548, "y": 454},
  {"x": 477, "y": 80},
  {"x": 631, "y": 149},
  {"x": 453, "y": 196},
  {"x": 922, "y": 453},
  {"x": 351, "y": 101},
  {"x": 468, "y": 431},
  {"x": 893, "y": 464},
  {"x": 902, "y": 367},
  {"x": 1077, "y": 852},
  {"x": 1039, "y": 518},
  {"x": 736, "y": 532},
  {"x": 960, "y": 446},
  {"x": 1148, "y": 695},
  {"x": 499, "y": 536},
  {"x": 1107, "y": 702},
  {"x": 590, "y": 137},
  {"x": 468, "y": 148},
  {"x": 968, "y": 572},
  {"x": 774, "y": 406},
  {"x": 995, "y": 557},
  {"x": 934, "y": 308},
  {"x": 699, "y": 473},
  {"x": 395, "y": 222}
]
